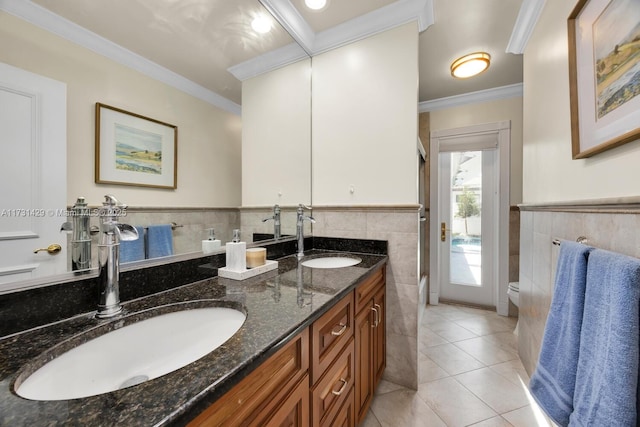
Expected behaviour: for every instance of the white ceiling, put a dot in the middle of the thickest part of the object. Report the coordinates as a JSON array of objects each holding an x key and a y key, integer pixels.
[
  {"x": 461, "y": 27},
  {"x": 210, "y": 42}
]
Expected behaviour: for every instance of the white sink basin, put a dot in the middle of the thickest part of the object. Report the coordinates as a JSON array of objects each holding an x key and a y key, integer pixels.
[
  {"x": 133, "y": 354},
  {"x": 331, "y": 262}
]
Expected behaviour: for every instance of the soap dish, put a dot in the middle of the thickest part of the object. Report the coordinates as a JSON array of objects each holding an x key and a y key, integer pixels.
[{"x": 251, "y": 272}]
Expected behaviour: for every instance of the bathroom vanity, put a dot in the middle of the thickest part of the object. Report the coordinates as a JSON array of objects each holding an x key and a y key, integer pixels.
[{"x": 310, "y": 352}]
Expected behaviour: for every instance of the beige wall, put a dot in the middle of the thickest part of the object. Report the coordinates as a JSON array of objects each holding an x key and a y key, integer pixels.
[
  {"x": 489, "y": 112},
  {"x": 550, "y": 174},
  {"x": 365, "y": 102},
  {"x": 276, "y": 137},
  {"x": 209, "y": 169}
]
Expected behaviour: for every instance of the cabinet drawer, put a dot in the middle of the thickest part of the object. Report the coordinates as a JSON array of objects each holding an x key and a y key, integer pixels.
[
  {"x": 364, "y": 292},
  {"x": 329, "y": 334},
  {"x": 263, "y": 390},
  {"x": 346, "y": 415},
  {"x": 334, "y": 388}
]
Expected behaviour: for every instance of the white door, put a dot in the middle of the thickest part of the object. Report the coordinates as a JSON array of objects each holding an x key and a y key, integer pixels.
[
  {"x": 33, "y": 171},
  {"x": 467, "y": 218}
]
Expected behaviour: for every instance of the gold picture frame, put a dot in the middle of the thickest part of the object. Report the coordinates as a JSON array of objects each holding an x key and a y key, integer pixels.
[
  {"x": 604, "y": 75},
  {"x": 134, "y": 150}
]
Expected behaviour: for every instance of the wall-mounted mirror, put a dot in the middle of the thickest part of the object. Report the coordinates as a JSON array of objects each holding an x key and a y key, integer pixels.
[{"x": 179, "y": 63}]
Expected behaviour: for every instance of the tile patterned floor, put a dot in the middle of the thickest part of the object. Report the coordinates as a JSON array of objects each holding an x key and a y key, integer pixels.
[{"x": 470, "y": 375}]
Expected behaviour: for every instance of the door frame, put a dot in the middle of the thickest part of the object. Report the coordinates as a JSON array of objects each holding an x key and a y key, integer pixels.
[
  {"x": 47, "y": 193},
  {"x": 502, "y": 130}
]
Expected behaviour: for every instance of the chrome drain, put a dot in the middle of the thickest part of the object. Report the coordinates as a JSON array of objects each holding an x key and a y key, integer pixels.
[{"x": 134, "y": 381}]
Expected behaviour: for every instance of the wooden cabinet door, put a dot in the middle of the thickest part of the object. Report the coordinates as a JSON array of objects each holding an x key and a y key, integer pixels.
[
  {"x": 364, "y": 362},
  {"x": 258, "y": 395},
  {"x": 293, "y": 412}
]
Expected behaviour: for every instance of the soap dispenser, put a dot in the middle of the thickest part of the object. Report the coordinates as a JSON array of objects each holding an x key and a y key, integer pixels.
[
  {"x": 211, "y": 244},
  {"x": 236, "y": 253}
]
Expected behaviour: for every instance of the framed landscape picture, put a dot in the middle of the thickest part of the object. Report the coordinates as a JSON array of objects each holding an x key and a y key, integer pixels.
[
  {"x": 604, "y": 75},
  {"x": 135, "y": 150}
]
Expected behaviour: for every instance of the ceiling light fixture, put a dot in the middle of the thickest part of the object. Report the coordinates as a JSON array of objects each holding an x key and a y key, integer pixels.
[
  {"x": 261, "y": 24},
  {"x": 315, "y": 4},
  {"x": 470, "y": 65}
]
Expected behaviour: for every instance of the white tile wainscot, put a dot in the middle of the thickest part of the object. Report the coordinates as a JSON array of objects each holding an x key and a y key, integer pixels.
[{"x": 607, "y": 224}]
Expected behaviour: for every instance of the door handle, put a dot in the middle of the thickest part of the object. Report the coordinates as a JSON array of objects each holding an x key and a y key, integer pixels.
[
  {"x": 52, "y": 249},
  {"x": 376, "y": 319},
  {"x": 379, "y": 312},
  {"x": 443, "y": 231}
]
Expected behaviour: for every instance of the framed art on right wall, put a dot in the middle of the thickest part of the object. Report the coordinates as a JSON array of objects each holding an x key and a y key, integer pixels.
[{"x": 604, "y": 75}]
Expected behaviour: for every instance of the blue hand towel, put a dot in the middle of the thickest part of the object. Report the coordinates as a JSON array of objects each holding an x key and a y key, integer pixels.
[
  {"x": 159, "y": 241},
  {"x": 553, "y": 382},
  {"x": 133, "y": 250},
  {"x": 607, "y": 377}
]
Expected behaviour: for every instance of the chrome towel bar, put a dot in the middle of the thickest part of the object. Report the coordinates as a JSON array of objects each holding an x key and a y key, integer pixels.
[{"x": 582, "y": 239}]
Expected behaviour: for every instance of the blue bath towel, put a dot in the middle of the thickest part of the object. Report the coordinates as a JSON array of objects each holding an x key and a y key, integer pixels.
[
  {"x": 607, "y": 378},
  {"x": 133, "y": 250},
  {"x": 553, "y": 382},
  {"x": 159, "y": 241}
]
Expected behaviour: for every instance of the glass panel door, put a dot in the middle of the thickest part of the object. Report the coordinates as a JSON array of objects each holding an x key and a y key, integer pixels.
[
  {"x": 465, "y": 245},
  {"x": 467, "y": 229}
]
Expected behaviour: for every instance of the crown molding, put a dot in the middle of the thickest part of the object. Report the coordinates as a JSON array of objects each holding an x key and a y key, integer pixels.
[
  {"x": 375, "y": 22},
  {"x": 49, "y": 21},
  {"x": 426, "y": 16},
  {"x": 288, "y": 16},
  {"x": 530, "y": 12},
  {"x": 503, "y": 92},
  {"x": 268, "y": 62},
  {"x": 372, "y": 23}
]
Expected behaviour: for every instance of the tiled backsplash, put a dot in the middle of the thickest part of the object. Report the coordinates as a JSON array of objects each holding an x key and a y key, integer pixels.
[
  {"x": 611, "y": 227},
  {"x": 251, "y": 221},
  {"x": 192, "y": 224},
  {"x": 189, "y": 233}
]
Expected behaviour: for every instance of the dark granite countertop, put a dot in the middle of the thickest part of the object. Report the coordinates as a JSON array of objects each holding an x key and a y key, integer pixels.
[{"x": 278, "y": 306}]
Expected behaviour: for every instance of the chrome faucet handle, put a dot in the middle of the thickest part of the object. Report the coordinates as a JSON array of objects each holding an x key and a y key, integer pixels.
[
  {"x": 111, "y": 209},
  {"x": 276, "y": 214},
  {"x": 301, "y": 216},
  {"x": 110, "y": 200}
]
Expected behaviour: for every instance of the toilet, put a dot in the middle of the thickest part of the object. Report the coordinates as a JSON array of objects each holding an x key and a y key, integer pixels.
[{"x": 514, "y": 296}]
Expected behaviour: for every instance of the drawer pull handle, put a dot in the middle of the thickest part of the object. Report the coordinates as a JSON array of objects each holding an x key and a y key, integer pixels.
[
  {"x": 344, "y": 385},
  {"x": 376, "y": 319},
  {"x": 340, "y": 331},
  {"x": 379, "y": 311}
]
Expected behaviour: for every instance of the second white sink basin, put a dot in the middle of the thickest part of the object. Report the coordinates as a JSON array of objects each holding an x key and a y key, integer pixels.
[
  {"x": 133, "y": 354},
  {"x": 331, "y": 262}
]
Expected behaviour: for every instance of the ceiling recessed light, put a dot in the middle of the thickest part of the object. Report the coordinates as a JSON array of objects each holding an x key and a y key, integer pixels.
[
  {"x": 470, "y": 65},
  {"x": 261, "y": 24},
  {"x": 315, "y": 4}
]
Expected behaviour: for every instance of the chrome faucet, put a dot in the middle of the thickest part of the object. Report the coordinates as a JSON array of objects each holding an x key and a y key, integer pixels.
[
  {"x": 111, "y": 234},
  {"x": 300, "y": 228},
  {"x": 276, "y": 221},
  {"x": 81, "y": 237}
]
